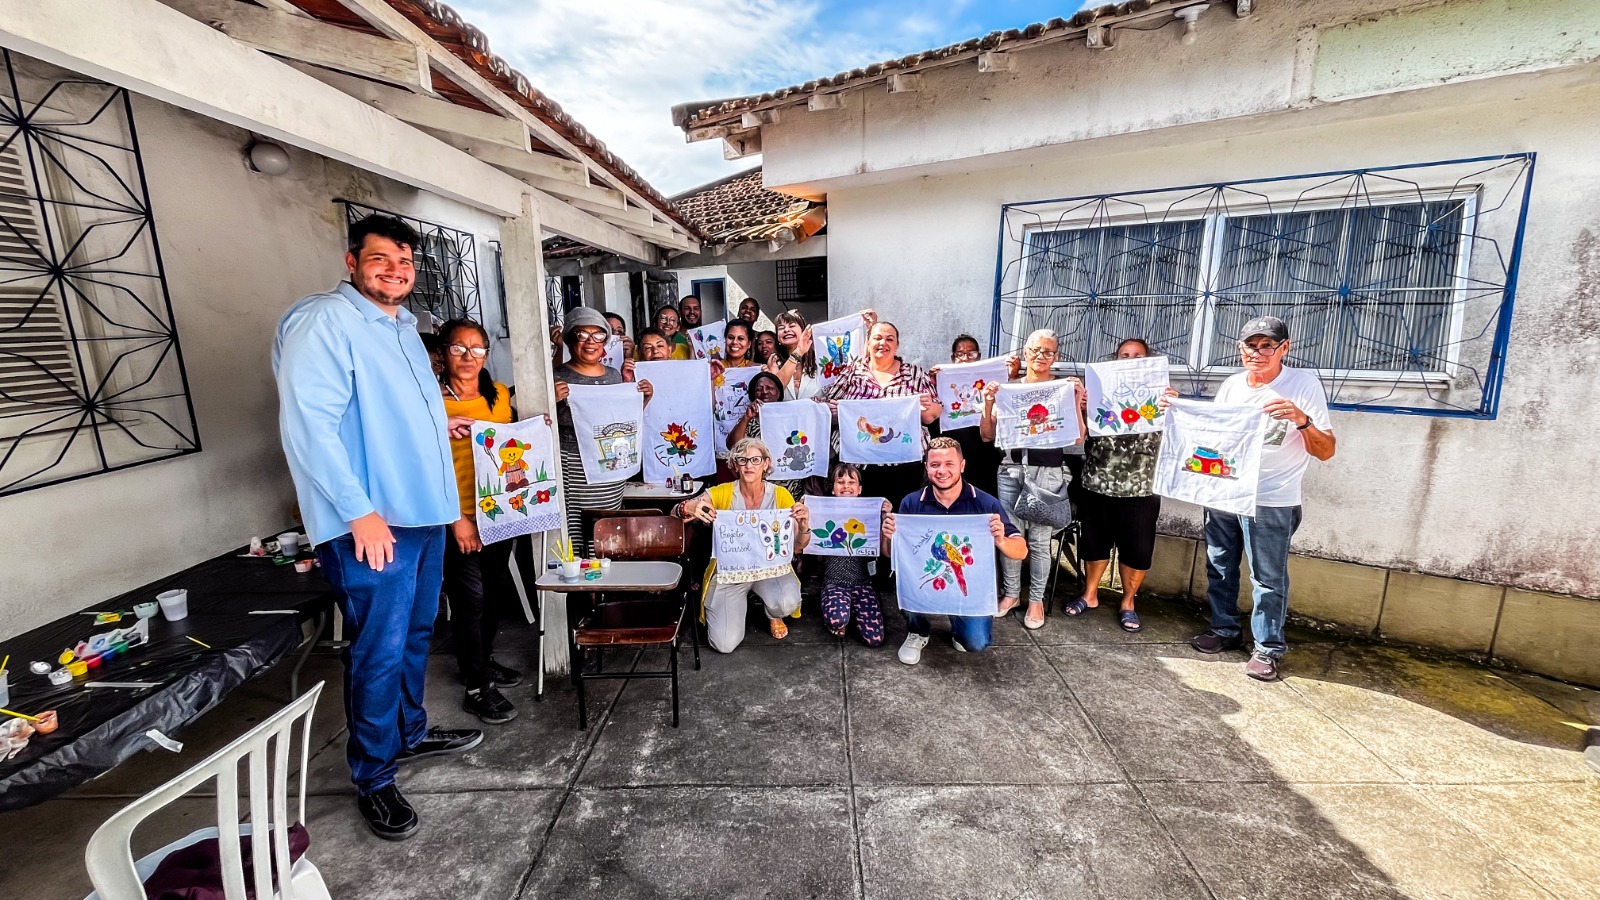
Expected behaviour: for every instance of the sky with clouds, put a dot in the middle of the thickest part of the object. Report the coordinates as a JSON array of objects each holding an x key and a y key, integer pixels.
[{"x": 619, "y": 66}]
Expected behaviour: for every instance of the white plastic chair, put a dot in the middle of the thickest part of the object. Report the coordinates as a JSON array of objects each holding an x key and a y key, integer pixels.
[{"x": 109, "y": 856}]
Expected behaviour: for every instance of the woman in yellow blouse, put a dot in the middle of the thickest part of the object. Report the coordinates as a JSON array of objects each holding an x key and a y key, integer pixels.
[{"x": 477, "y": 577}]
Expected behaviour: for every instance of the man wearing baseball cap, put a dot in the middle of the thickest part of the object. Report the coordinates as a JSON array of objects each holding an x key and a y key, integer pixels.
[{"x": 1299, "y": 429}]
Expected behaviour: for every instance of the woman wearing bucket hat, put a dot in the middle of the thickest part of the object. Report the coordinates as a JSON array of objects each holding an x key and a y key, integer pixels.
[{"x": 585, "y": 336}]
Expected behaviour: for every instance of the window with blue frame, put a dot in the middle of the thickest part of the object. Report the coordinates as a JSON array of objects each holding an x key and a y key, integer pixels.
[{"x": 1397, "y": 283}]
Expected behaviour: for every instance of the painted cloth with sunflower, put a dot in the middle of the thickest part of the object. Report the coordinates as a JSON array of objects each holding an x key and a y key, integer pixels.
[{"x": 1121, "y": 465}]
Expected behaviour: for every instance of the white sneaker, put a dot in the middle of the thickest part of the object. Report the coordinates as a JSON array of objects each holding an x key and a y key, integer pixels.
[
  {"x": 959, "y": 648},
  {"x": 911, "y": 650}
]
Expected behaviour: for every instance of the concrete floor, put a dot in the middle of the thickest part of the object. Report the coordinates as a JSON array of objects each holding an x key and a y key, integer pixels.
[{"x": 1076, "y": 761}]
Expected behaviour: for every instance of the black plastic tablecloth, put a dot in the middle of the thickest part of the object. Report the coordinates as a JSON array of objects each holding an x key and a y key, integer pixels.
[{"x": 103, "y": 726}]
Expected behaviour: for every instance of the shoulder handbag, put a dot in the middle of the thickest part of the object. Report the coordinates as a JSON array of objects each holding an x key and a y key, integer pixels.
[{"x": 1042, "y": 507}]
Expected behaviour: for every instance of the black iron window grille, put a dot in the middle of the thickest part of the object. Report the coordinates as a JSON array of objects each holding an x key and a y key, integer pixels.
[
  {"x": 1397, "y": 282},
  {"x": 91, "y": 376},
  {"x": 446, "y": 264}
]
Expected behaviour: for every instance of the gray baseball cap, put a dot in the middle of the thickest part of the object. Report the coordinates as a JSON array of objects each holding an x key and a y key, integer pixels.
[
  {"x": 1270, "y": 326},
  {"x": 581, "y": 316}
]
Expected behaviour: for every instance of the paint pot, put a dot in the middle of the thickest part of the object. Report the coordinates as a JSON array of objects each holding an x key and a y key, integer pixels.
[
  {"x": 605, "y": 562},
  {"x": 174, "y": 604},
  {"x": 147, "y": 609},
  {"x": 39, "y": 667},
  {"x": 92, "y": 662},
  {"x": 98, "y": 644},
  {"x": 60, "y": 676},
  {"x": 120, "y": 647},
  {"x": 77, "y": 668},
  {"x": 47, "y": 722},
  {"x": 303, "y": 566},
  {"x": 289, "y": 544}
]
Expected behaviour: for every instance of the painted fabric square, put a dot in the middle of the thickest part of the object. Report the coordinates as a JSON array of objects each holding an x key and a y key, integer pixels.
[
  {"x": 679, "y": 428},
  {"x": 845, "y": 526},
  {"x": 1029, "y": 416},
  {"x": 752, "y": 544},
  {"x": 1123, "y": 395},
  {"x": 606, "y": 420},
  {"x": 797, "y": 434},
  {"x": 1211, "y": 455},
  {"x": 886, "y": 430},
  {"x": 514, "y": 467},
  {"x": 707, "y": 340},
  {"x": 945, "y": 565},
  {"x": 730, "y": 394},
  {"x": 961, "y": 391},
  {"x": 614, "y": 357},
  {"x": 837, "y": 342}
]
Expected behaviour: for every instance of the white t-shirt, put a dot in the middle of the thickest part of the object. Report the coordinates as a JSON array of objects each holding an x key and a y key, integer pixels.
[{"x": 1283, "y": 452}]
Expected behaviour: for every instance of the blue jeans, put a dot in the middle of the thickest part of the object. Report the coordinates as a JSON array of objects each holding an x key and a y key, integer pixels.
[
  {"x": 388, "y": 620},
  {"x": 972, "y": 631},
  {"x": 1264, "y": 540}
]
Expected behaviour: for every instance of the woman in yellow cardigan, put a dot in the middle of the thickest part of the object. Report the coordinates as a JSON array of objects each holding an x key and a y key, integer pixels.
[{"x": 727, "y": 596}]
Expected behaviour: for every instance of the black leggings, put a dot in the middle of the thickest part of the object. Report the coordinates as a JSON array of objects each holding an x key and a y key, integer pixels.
[{"x": 478, "y": 586}]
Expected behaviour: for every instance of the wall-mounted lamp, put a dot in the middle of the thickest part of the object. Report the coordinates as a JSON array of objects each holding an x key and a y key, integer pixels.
[
  {"x": 1190, "y": 16},
  {"x": 267, "y": 158}
]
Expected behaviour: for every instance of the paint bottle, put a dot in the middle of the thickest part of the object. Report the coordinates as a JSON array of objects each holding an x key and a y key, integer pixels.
[{"x": 685, "y": 483}]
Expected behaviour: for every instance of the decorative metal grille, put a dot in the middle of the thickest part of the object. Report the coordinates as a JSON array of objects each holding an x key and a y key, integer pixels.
[
  {"x": 91, "y": 376},
  {"x": 446, "y": 264},
  {"x": 1397, "y": 282}
]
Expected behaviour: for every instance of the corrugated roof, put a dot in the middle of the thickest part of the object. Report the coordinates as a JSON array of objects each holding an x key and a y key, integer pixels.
[
  {"x": 469, "y": 44},
  {"x": 701, "y": 114}
]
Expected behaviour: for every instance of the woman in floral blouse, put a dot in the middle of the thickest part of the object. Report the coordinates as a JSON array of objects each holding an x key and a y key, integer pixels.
[{"x": 882, "y": 373}]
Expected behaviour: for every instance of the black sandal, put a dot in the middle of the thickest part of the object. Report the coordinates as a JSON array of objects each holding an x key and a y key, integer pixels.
[
  {"x": 1075, "y": 607},
  {"x": 1129, "y": 620}
]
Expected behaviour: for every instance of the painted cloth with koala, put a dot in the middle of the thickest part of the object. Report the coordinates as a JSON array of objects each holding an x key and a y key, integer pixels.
[
  {"x": 515, "y": 487},
  {"x": 798, "y": 435}
]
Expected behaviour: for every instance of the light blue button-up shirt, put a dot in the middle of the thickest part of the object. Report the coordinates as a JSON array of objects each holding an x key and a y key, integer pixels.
[{"x": 362, "y": 421}]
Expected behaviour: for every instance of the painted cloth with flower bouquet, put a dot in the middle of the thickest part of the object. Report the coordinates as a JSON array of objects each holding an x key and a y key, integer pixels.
[
  {"x": 679, "y": 429},
  {"x": 1123, "y": 394}
]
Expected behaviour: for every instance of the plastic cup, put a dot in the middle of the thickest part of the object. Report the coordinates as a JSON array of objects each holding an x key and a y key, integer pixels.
[
  {"x": 303, "y": 566},
  {"x": 5, "y": 688},
  {"x": 174, "y": 604},
  {"x": 60, "y": 676},
  {"x": 289, "y": 544},
  {"x": 147, "y": 609},
  {"x": 570, "y": 570}
]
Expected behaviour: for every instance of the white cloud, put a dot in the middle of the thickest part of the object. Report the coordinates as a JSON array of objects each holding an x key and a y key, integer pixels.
[{"x": 619, "y": 67}]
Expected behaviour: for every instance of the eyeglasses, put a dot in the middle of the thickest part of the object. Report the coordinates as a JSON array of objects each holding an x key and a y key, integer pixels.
[
  {"x": 592, "y": 337},
  {"x": 463, "y": 350},
  {"x": 965, "y": 355},
  {"x": 1041, "y": 353},
  {"x": 1265, "y": 348},
  {"x": 749, "y": 460}
]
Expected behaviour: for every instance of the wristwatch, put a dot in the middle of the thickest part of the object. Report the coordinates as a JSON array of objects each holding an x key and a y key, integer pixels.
[{"x": 1305, "y": 426}]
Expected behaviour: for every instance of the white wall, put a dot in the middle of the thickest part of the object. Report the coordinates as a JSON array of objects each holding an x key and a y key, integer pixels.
[
  {"x": 239, "y": 248},
  {"x": 1510, "y": 500}
]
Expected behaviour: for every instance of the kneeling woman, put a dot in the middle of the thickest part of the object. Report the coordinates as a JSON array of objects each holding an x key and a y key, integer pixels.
[{"x": 727, "y": 596}]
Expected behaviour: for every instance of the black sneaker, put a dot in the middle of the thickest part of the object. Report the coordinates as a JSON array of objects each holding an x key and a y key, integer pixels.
[
  {"x": 503, "y": 676},
  {"x": 442, "y": 742},
  {"x": 1211, "y": 642},
  {"x": 388, "y": 814},
  {"x": 489, "y": 705}
]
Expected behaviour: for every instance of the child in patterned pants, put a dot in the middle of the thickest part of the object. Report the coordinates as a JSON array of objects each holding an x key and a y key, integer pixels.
[{"x": 847, "y": 590}]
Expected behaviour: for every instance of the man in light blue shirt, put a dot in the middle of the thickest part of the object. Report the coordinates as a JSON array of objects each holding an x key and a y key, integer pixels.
[{"x": 363, "y": 428}]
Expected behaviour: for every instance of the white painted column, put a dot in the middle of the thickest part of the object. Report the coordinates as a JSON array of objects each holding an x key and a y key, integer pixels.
[{"x": 528, "y": 319}]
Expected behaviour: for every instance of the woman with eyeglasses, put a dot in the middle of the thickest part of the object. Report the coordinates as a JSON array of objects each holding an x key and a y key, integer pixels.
[
  {"x": 726, "y": 597},
  {"x": 983, "y": 458},
  {"x": 477, "y": 576},
  {"x": 1043, "y": 469},
  {"x": 670, "y": 324},
  {"x": 586, "y": 335}
]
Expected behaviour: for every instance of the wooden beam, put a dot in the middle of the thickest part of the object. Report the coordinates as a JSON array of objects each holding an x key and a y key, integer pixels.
[
  {"x": 741, "y": 144},
  {"x": 709, "y": 133},
  {"x": 593, "y": 193},
  {"x": 309, "y": 40},
  {"x": 428, "y": 112},
  {"x": 392, "y": 22},
  {"x": 905, "y": 83},
  {"x": 570, "y": 222},
  {"x": 1099, "y": 37},
  {"x": 161, "y": 53},
  {"x": 662, "y": 236},
  {"x": 517, "y": 162},
  {"x": 759, "y": 118},
  {"x": 821, "y": 101}
]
